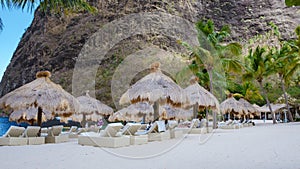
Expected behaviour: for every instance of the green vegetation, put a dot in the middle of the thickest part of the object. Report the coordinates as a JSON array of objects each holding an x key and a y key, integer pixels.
[
  {"x": 292, "y": 2},
  {"x": 268, "y": 60},
  {"x": 56, "y": 6}
]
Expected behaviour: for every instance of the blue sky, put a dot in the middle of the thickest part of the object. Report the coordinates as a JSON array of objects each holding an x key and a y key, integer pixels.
[{"x": 15, "y": 22}]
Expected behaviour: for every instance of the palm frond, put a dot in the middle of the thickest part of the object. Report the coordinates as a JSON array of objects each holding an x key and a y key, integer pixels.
[{"x": 1, "y": 25}]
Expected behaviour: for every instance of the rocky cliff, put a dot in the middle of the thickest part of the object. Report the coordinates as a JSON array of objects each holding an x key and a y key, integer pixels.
[{"x": 53, "y": 42}]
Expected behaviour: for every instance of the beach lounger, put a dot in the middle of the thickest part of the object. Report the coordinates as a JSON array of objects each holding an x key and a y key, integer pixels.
[
  {"x": 130, "y": 129},
  {"x": 196, "y": 127},
  {"x": 72, "y": 133},
  {"x": 231, "y": 124},
  {"x": 31, "y": 133},
  {"x": 109, "y": 137},
  {"x": 55, "y": 135},
  {"x": 13, "y": 137},
  {"x": 193, "y": 128},
  {"x": 157, "y": 132},
  {"x": 174, "y": 132},
  {"x": 44, "y": 131},
  {"x": 95, "y": 129}
]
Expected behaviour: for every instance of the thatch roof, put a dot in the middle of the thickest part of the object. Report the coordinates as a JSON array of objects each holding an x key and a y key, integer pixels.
[
  {"x": 92, "y": 108},
  {"x": 248, "y": 107},
  {"x": 168, "y": 112},
  {"x": 153, "y": 87},
  {"x": 23, "y": 102},
  {"x": 198, "y": 94},
  {"x": 275, "y": 107},
  {"x": 89, "y": 105},
  {"x": 231, "y": 105},
  {"x": 134, "y": 112}
]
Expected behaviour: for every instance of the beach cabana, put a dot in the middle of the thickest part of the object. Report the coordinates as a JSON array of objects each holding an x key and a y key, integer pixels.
[
  {"x": 39, "y": 100},
  {"x": 177, "y": 113},
  {"x": 134, "y": 112},
  {"x": 248, "y": 108},
  {"x": 200, "y": 98},
  {"x": 275, "y": 108},
  {"x": 91, "y": 109},
  {"x": 155, "y": 88},
  {"x": 231, "y": 106}
]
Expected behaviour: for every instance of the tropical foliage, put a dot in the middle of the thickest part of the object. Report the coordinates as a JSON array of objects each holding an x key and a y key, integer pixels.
[
  {"x": 214, "y": 54},
  {"x": 57, "y": 6}
]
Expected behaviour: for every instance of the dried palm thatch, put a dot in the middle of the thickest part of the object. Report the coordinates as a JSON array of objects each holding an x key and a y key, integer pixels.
[
  {"x": 155, "y": 87},
  {"x": 231, "y": 105},
  {"x": 248, "y": 107},
  {"x": 275, "y": 107},
  {"x": 40, "y": 96},
  {"x": 199, "y": 95},
  {"x": 134, "y": 112},
  {"x": 91, "y": 109},
  {"x": 168, "y": 112}
]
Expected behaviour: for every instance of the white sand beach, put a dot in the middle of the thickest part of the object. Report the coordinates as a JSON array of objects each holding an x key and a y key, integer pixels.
[{"x": 262, "y": 146}]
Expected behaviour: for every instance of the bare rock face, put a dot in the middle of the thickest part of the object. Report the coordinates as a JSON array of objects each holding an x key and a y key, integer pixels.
[{"x": 53, "y": 42}]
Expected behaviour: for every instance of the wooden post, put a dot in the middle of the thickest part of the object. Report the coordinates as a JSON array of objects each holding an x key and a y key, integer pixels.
[
  {"x": 156, "y": 110},
  {"x": 195, "y": 110},
  {"x": 214, "y": 119},
  {"x": 206, "y": 110},
  {"x": 39, "y": 119},
  {"x": 83, "y": 122}
]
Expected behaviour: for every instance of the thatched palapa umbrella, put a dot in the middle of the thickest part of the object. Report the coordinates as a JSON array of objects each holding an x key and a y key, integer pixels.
[
  {"x": 231, "y": 105},
  {"x": 248, "y": 107},
  {"x": 199, "y": 97},
  {"x": 91, "y": 109},
  {"x": 154, "y": 88},
  {"x": 168, "y": 112},
  {"x": 134, "y": 112},
  {"x": 39, "y": 100}
]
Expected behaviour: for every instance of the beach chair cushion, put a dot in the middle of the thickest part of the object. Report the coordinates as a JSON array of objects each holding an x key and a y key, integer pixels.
[
  {"x": 151, "y": 129},
  {"x": 32, "y": 131},
  {"x": 131, "y": 128},
  {"x": 55, "y": 130},
  {"x": 111, "y": 130},
  {"x": 195, "y": 123},
  {"x": 14, "y": 131},
  {"x": 13, "y": 137},
  {"x": 161, "y": 126},
  {"x": 55, "y": 135}
]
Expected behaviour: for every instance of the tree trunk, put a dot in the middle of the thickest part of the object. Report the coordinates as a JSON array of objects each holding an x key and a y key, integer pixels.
[
  {"x": 211, "y": 91},
  {"x": 39, "y": 119},
  {"x": 156, "y": 110},
  {"x": 195, "y": 110},
  {"x": 83, "y": 122},
  {"x": 206, "y": 110},
  {"x": 290, "y": 117},
  {"x": 268, "y": 102}
]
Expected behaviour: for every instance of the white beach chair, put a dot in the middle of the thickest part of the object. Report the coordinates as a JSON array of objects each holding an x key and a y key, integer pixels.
[
  {"x": 109, "y": 137},
  {"x": 72, "y": 133},
  {"x": 157, "y": 132},
  {"x": 130, "y": 129},
  {"x": 55, "y": 135},
  {"x": 31, "y": 133},
  {"x": 193, "y": 128},
  {"x": 13, "y": 137},
  {"x": 174, "y": 132}
]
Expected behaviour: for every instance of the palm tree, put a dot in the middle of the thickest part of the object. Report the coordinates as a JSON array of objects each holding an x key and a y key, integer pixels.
[
  {"x": 247, "y": 90},
  {"x": 258, "y": 67},
  {"x": 214, "y": 53},
  {"x": 286, "y": 62},
  {"x": 57, "y": 6}
]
